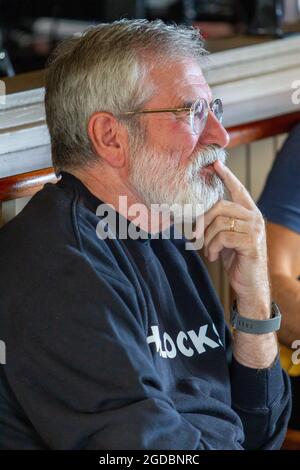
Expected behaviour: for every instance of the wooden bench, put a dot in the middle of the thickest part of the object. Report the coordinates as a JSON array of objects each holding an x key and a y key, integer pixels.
[{"x": 27, "y": 184}]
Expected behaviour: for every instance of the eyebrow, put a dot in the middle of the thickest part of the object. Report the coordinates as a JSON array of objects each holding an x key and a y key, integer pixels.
[
  {"x": 189, "y": 103},
  {"x": 182, "y": 103}
]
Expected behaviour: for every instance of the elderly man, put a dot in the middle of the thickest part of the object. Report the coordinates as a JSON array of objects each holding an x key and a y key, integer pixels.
[{"x": 120, "y": 342}]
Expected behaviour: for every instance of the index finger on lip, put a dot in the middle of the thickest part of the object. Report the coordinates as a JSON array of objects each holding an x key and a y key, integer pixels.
[{"x": 237, "y": 191}]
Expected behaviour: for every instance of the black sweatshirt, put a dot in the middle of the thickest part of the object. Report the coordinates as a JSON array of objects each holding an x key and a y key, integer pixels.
[{"x": 119, "y": 344}]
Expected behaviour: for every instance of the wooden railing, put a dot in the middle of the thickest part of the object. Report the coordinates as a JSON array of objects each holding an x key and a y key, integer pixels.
[
  {"x": 25, "y": 184},
  {"x": 247, "y": 133}
]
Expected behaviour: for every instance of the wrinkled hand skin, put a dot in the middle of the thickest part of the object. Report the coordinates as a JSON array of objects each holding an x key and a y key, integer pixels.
[{"x": 244, "y": 256}]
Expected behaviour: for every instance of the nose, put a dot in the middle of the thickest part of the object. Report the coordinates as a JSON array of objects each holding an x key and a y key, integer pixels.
[{"x": 214, "y": 133}]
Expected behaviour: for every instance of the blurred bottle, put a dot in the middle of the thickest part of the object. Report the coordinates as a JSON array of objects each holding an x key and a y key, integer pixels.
[
  {"x": 264, "y": 17},
  {"x": 291, "y": 11},
  {"x": 167, "y": 10}
]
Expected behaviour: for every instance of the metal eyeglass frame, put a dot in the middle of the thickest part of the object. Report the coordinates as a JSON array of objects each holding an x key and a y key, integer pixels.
[{"x": 216, "y": 107}]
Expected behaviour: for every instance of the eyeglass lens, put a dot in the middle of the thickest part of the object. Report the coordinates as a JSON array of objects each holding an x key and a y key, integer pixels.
[
  {"x": 200, "y": 113},
  {"x": 217, "y": 108}
]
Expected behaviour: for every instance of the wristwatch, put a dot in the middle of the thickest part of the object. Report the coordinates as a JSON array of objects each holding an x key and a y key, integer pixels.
[{"x": 256, "y": 327}]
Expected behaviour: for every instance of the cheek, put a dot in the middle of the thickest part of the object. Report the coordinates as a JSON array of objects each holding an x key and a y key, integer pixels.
[
  {"x": 171, "y": 138},
  {"x": 186, "y": 145},
  {"x": 182, "y": 136}
]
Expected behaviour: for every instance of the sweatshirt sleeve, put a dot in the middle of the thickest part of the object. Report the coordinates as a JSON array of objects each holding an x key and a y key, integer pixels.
[
  {"x": 261, "y": 398},
  {"x": 86, "y": 377}
]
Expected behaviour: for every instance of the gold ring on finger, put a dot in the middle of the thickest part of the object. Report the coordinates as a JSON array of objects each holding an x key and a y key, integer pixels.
[{"x": 232, "y": 225}]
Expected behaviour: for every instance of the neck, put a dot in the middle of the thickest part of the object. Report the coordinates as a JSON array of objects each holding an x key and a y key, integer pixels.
[{"x": 111, "y": 189}]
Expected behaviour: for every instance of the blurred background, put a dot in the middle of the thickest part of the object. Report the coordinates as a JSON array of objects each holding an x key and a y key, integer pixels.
[{"x": 30, "y": 29}]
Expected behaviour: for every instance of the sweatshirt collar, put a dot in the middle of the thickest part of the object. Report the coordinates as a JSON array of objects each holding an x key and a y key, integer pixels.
[{"x": 70, "y": 181}]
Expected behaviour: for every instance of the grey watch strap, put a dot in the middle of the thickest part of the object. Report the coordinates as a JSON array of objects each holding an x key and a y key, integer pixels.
[{"x": 256, "y": 327}]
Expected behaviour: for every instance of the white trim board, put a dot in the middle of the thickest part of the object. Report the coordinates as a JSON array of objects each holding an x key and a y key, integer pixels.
[
  {"x": 25, "y": 160},
  {"x": 23, "y": 138},
  {"x": 23, "y": 98}
]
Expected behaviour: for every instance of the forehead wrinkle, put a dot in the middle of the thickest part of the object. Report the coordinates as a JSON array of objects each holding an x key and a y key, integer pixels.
[
  {"x": 182, "y": 86},
  {"x": 181, "y": 98}
]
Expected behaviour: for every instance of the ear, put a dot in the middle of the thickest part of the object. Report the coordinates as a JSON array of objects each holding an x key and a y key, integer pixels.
[{"x": 108, "y": 138}]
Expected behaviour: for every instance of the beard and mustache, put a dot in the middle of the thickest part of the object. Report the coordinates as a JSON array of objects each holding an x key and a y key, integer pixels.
[{"x": 157, "y": 179}]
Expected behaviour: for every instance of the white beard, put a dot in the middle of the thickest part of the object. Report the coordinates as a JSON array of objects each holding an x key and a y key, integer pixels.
[{"x": 157, "y": 180}]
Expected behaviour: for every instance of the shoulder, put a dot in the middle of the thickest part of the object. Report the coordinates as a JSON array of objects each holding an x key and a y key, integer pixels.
[{"x": 55, "y": 229}]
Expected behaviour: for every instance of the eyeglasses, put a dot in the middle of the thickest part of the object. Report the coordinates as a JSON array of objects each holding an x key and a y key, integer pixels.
[{"x": 197, "y": 112}]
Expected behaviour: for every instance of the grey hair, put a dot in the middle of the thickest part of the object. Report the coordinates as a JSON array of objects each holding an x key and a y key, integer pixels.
[{"x": 107, "y": 69}]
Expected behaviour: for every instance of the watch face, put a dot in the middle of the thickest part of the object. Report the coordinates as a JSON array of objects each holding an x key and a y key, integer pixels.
[{"x": 275, "y": 311}]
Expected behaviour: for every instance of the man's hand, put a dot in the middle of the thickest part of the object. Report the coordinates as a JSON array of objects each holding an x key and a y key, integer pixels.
[
  {"x": 243, "y": 251},
  {"x": 244, "y": 255}
]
